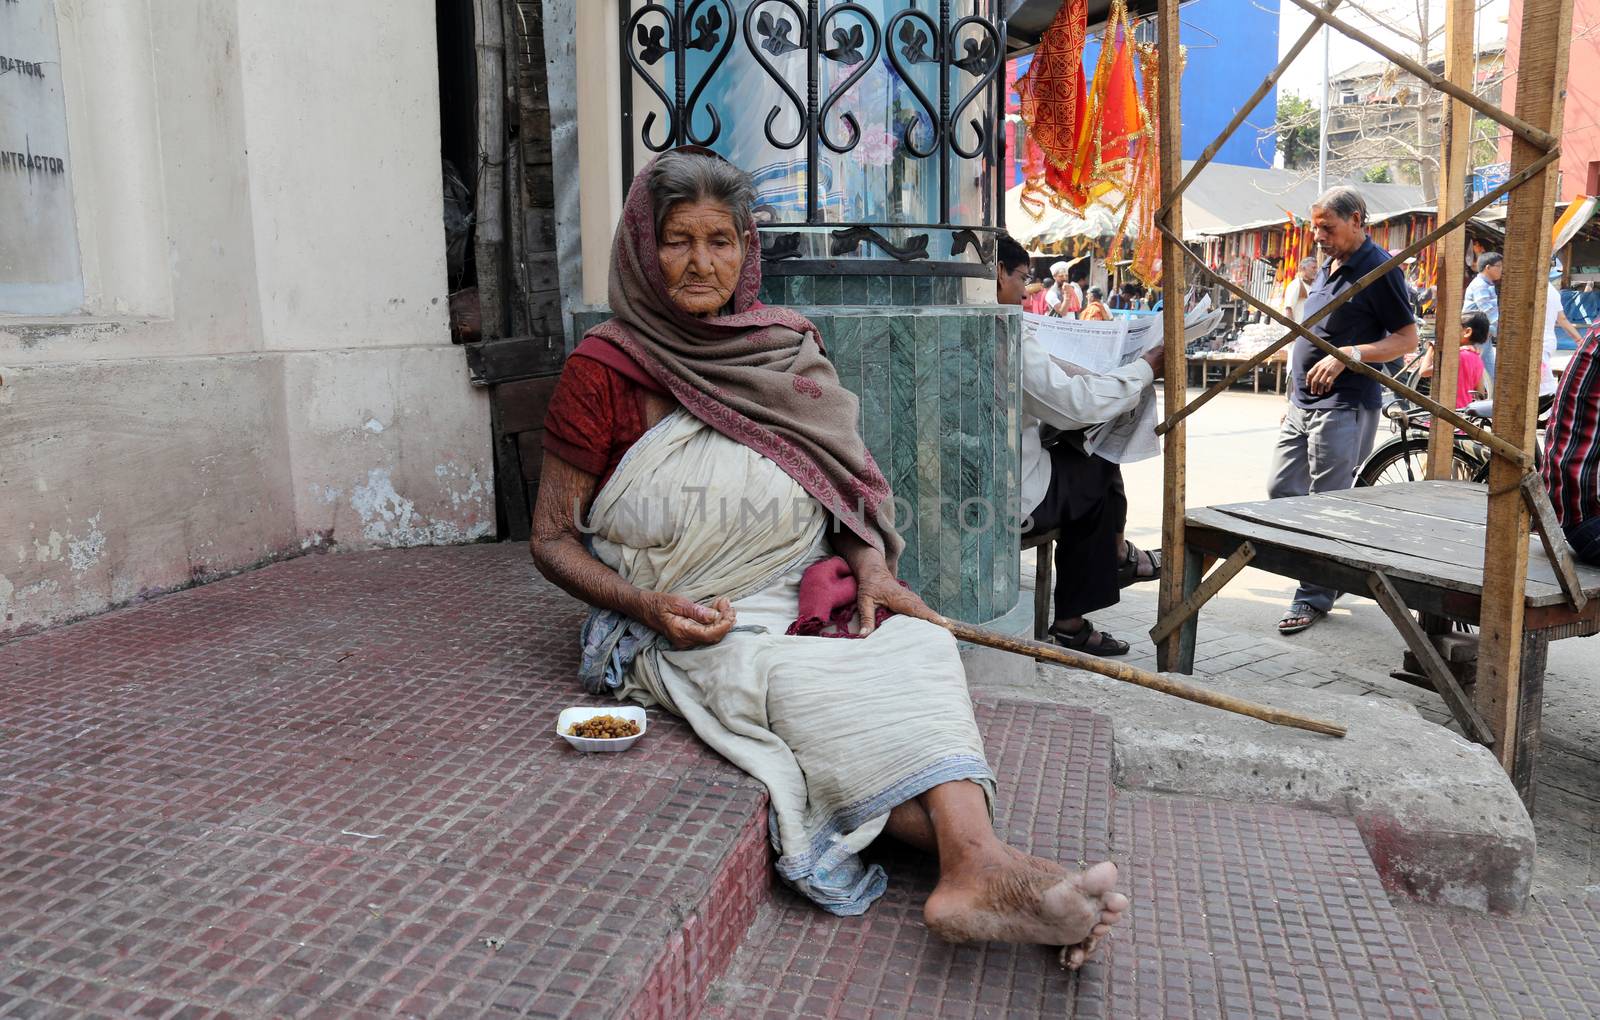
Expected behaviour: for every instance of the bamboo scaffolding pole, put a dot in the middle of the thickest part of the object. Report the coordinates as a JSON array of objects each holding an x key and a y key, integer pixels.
[
  {"x": 1150, "y": 681},
  {"x": 1455, "y": 148},
  {"x": 1176, "y": 651},
  {"x": 1510, "y": 687},
  {"x": 1534, "y": 136}
]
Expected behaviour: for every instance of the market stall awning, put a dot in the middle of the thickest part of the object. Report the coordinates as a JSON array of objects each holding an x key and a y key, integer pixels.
[
  {"x": 1226, "y": 199},
  {"x": 1572, "y": 220}
]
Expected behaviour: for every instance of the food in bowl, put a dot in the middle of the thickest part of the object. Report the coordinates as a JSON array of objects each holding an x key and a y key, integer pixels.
[{"x": 604, "y": 727}]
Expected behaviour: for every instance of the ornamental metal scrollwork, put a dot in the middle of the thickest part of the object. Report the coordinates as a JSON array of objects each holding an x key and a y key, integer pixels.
[
  {"x": 982, "y": 61},
  {"x": 966, "y": 238},
  {"x": 847, "y": 52},
  {"x": 818, "y": 53},
  {"x": 708, "y": 29},
  {"x": 773, "y": 33},
  {"x": 697, "y": 27},
  {"x": 914, "y": 39},
  {"x": 912, "y": 30},
  {"x": 654, "y": 44},
  {"x": 777, "y": 247},
  {"x": 847, "y": 241}
]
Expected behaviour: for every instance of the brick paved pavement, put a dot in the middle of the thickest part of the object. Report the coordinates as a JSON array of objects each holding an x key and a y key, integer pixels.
[
  {"x": 1239, "y": 911},
  {"x": 330, "y": 788},
  {"x": 1545, "y": 963}
]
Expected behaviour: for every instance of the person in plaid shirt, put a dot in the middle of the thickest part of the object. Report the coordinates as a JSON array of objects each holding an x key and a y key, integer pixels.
[{"x": 1572, "y": 452}]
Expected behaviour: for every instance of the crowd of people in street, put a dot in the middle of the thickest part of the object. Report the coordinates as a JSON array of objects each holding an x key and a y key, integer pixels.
[{"x": 1328, "y": 429}]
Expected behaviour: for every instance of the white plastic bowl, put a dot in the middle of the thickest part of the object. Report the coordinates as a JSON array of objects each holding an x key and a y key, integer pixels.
[{"x": 588, "y": 745}]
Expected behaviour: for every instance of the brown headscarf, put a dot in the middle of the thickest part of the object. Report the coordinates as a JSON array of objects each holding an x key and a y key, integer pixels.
[{"x": 757, "y": 375}]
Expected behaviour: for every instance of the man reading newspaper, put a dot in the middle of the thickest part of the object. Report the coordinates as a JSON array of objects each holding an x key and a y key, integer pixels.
[{"x": 1066, "y": 486}]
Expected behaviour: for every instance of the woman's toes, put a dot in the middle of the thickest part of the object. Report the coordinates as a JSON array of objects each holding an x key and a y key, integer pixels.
[
  {"x": 1114, "y": 902},
  {"x": 1101, "y": 881}
]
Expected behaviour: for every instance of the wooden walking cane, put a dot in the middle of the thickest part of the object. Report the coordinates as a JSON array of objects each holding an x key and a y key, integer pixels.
[{"x": 1128, "y": 674}]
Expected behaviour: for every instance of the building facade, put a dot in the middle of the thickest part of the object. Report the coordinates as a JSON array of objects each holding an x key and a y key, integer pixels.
[
  {"x": 224, "y": 332},
  {"x": 1580, "y": 119},
  {"x": 1384, "y": 125}
]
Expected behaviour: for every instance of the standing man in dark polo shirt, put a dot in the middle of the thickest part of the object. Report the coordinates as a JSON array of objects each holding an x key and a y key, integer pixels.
[{"x": 1333, "y": 414}]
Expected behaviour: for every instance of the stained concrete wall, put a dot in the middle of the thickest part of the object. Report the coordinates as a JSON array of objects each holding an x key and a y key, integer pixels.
[{"x": 282, "y": 379}]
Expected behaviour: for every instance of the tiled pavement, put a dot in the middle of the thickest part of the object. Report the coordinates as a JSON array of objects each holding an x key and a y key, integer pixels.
[
  {"x": 804, "y": 963},
  {"x": 329, "y": 788},
  {"x": 1545, "y": 963},
  {"x": 1239, "y": 911}
]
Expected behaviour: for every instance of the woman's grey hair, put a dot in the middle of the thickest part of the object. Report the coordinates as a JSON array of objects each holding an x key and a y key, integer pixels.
[
  {"x": 1344, "y": 202},
  {"x": 691, "y": 177}
]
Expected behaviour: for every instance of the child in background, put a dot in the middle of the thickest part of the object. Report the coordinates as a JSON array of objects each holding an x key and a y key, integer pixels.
[
  {"x": 1471, "y": 383},
  {"x": 1036, "y": 299}
]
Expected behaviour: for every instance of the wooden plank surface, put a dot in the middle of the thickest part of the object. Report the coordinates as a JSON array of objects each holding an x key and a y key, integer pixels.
[
  {"x": 1464, "y": 576},
  {"x": 1377, "y": 533},
  {"x": 1467, "y": 502},
  {"x": 1376, "y": 528},
  {"x": 1453, "y": 503},
  {"x": 1431, "y": 594},
  {"x": 1457, "y": 577},
  {"x": 1389, "y": 529}
]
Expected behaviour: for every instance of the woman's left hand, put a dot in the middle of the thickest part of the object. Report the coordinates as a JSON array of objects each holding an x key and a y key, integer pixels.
[{"x": 877, "y": 588}]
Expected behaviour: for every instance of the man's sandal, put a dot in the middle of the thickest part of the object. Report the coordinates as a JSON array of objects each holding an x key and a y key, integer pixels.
[
  {"x": 1299, "y": 616},
  {"x": 1087, "y": 639},
  {"x": 1128, "y": 569}
]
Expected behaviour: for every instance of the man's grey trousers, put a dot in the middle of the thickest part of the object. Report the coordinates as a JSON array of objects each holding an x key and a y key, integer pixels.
[{"x": 1320, "y": 451}]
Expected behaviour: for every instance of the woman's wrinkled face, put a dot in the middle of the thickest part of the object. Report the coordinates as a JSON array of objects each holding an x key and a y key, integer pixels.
[{"x": 701, "y": 256}]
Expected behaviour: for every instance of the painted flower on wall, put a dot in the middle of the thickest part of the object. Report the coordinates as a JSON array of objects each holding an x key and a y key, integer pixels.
[{"x": 876, "y": 149}]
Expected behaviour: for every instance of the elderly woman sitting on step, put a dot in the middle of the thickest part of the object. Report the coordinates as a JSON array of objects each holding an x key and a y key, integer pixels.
[{"x": 705, "y": 490}]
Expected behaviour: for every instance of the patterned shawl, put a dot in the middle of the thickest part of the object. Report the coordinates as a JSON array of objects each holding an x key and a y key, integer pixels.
[{"x": 757, "y": 375}]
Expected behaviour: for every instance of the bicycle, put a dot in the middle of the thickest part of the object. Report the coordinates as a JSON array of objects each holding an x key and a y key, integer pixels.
[{"x": 1405, "y": 457}]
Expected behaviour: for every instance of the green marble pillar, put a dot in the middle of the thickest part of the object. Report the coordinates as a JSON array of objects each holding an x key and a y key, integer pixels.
[{"x": 940, "y": 388}]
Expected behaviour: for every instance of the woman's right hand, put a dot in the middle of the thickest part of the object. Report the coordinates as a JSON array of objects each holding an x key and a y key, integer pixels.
[{"x": 686, "y": 624}]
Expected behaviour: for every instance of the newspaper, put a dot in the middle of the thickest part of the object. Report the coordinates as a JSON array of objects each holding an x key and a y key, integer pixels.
[{"x": 1081, "y": 347}]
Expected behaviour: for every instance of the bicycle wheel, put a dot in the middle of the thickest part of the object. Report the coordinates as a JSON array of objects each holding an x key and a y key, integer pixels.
[{"x": 1406, "y": 460}]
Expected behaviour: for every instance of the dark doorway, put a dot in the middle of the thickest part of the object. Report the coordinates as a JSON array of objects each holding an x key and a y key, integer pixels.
[{"x": 458, "y": 132}]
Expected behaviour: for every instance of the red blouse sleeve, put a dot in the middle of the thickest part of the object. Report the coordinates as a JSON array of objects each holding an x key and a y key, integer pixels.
[{"x": 582, "y": 419}]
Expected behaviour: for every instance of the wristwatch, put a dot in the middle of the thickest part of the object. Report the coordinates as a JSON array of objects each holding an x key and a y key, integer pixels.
[{"x": 1355, "y": 351}]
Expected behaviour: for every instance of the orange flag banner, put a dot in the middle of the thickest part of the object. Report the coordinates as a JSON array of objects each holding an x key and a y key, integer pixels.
[{"x": 1054, "y": 102}]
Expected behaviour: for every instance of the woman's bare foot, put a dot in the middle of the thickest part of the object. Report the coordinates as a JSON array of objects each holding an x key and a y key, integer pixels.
[
  {"x": 1017, "y": 898},
  {"x": 1112, "y": 906}
]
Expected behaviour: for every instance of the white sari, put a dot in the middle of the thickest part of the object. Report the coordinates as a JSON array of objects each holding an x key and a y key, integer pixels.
[{"x": 839, "y": 730}]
